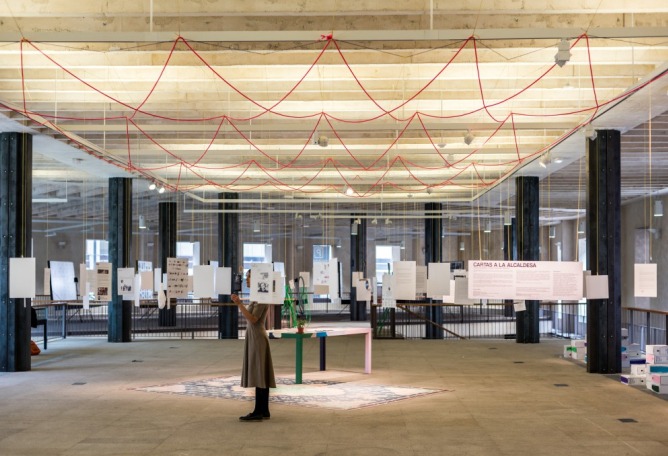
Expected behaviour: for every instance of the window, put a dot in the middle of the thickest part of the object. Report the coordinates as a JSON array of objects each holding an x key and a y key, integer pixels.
[
  {"x": 385, "y": 256},
  {"x": 322, "y": 252},
  {"x": 97, "y": 251},
  {"x": 189, "y": 250}
]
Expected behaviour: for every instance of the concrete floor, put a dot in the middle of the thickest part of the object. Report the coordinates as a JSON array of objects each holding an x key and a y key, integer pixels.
[{"x": 502, "y": 400}]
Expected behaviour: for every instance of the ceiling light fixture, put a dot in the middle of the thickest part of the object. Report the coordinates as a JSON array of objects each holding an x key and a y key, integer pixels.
[
  {"x": 151, "y": 186},
  {"x": 552, "y": 233},
  {"x": 374, "y": 221},
  {"x": 658, "y": 208},
  {"x": 543, "y": 162},
  {"x": 563, "y": 54},
  {"x": 161, "y": 190},
  {"x": 350, "y": 191},
  {"x": 388, "y": 221},
  {"x": 507, "y": 219}
]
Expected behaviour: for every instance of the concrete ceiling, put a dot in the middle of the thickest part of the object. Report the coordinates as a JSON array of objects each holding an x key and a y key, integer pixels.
[{"x": 232, "y": 96}]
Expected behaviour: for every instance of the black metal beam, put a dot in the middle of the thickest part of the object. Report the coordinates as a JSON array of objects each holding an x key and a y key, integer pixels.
[
  {"x": 604, "y": 353},
  {"x": 15, "y": 235},
  {"x": 167, "y": 233},
  {"x": 358, "y": 310},
  {"x": 527, "y": 214},
  {"x": 228, "y": 256},
  {"x": 433, "y": 253},
  {"x": 120, "y": 246}
]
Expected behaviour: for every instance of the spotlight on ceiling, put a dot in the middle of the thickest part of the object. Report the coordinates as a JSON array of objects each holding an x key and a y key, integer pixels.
[
  {"x": 388, "y": 221},
  {"x": 350, "y": 191},
  {"x": 151, "y": 186},
  {"x": 374, "y": 221},
  {"x": 543, "y": 162},
  {"x": 468, "y": 137},
  {"x": 589, "y": 132},
  {"x": 162, "y": 190},
  {"x": 320, "y": 140},
  {"x": 563, "y": 54}
]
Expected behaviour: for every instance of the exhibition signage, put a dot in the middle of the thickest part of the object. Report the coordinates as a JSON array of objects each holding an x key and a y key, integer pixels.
[{"x": 525, "y": 280}]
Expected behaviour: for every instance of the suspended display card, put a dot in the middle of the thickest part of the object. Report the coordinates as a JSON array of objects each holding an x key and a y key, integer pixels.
[
  {"x": 438, "y": 280},
  {"x": 125, "y": 279},
  {"x": 223, "y": 281},
  {"x": 262, "y": 285},
  {"x": 597, "y": 287},
  {"x": 644, "y": 280},
  {"x": 22, "y": 277},
  {"x": 404, "y": 275},
  {"x": 203, "y": 281},
  {"x": 387, "y": 290},
  {"x": 103, "y": 287},
  {"x": 525, "y": 280},
  {"x": 177, "y": 277}
]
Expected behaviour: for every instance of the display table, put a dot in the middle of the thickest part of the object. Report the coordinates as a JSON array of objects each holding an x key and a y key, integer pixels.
[{"x": 322, "y": 334}]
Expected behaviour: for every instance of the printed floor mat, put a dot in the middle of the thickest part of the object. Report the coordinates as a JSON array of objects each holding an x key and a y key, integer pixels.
[{"x": 311, "y": 393}]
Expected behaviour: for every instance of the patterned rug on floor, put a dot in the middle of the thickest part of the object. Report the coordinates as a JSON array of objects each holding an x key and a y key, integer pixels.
[{"x": 311, "y": 393}]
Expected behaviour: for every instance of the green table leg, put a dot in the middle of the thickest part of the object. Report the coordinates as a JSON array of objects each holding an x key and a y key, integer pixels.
[{"x": 298, "y": 359}]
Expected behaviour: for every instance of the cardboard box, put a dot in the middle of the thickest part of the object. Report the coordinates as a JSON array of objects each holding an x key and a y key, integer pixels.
[
  {"x": 657, "y": 359},
  {"x": 632, "y": 379},
  {"x": 660, "y": 389},
  {"x": 631, "y": 348},
  {"x": 660, "y": 379},
  {"x": 638, "y": 369},
  {"x": 625, "y": 332},
  {"x": 657, "y": 369},
  {"x": 660, "y": 350},
  {"x": 579, "y": 343},
  {"x": 567, "y": 351}
]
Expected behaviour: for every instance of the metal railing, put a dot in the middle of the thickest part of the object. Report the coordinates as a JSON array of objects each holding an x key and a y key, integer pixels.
[{"x": 646, "y": 327}]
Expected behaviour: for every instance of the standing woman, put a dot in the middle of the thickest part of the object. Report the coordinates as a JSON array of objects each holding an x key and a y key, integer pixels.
[{"x": 258, "y": 370}]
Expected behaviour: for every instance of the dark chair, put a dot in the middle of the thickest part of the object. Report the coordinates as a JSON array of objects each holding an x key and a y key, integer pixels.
[{"x": 36, "y": 321}]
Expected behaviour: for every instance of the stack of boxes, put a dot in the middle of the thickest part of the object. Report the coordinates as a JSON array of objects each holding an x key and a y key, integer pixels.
[
  {"x": 657, "y": 368},
  {"x": 576, "y": 350},
  {"x": 631, "y": 353}
]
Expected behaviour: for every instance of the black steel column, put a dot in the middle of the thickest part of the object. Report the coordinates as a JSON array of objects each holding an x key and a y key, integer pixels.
[
  {"x": 357, "y": 263},
  {"x": 433, "y": 253},
  {"x": 167, "y": 235},
  {"x": 15, "y": 232},
  {"x": 228, "y": 256},
  {"x": 120, "y": 246},
  {"x": 604, "y": 353},
  {"x": 527, "y": 213},
  {"x": 509, "y": 254}
]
